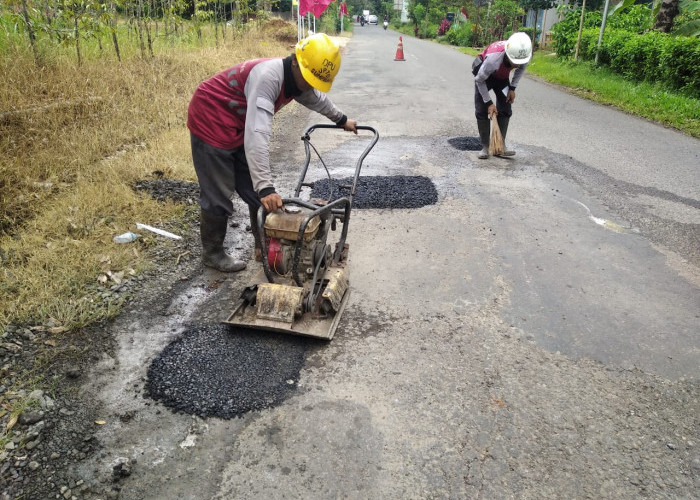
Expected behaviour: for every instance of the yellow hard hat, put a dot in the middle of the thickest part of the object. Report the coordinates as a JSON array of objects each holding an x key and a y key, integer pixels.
[{"x": 319, "y": 60}]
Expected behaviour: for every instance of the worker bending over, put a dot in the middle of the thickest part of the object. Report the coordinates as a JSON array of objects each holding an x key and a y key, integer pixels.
[
  {"x": 492, "y": 70},
  {"x": 230, "y": 122}
]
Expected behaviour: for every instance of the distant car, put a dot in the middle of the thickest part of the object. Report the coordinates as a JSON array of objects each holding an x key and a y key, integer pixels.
[{"x": 372, "y": 19}]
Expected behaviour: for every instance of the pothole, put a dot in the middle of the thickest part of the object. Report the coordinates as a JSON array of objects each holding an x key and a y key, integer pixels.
[
  {"x": 465, "y": 143},
  {"x": 399, "y": 191},
  {"x": 224, "y": 372}
]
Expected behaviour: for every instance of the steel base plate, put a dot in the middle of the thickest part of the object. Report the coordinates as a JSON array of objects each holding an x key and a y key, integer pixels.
[{"x": 306, "y": 325}]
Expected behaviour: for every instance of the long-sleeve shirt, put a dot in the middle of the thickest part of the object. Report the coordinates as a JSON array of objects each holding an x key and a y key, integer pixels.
[
  {"x": 494, "y": 65},
  {"x": 235, "y": 108}
]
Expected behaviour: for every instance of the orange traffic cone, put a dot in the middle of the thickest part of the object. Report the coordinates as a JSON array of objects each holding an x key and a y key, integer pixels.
[{"x": 399, "y": 51}]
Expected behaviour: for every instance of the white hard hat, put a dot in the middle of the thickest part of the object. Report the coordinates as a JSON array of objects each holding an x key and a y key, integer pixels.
[{"x": 519, "y": 48}]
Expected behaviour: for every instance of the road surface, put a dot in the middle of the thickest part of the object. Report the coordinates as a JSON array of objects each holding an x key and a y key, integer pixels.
[{"x": 533, "y": 334}]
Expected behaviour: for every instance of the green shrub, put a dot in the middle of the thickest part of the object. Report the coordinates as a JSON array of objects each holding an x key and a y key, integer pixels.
[
  {"x": 565, "y": 32},
  {"x": 427, "y": 29},
  {"x": 679, "y": 63},
  {"x": 637, "y": 18},
  {"x": 460, "y": 35},
  {"x": 653, "y": 56},
  {"x": 640, "y": 57}
]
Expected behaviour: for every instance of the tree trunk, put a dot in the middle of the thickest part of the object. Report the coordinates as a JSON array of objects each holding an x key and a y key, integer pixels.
[
  {"x": 30, "y": 31},
  {"x": 115, "y": 42},
  {"x": 77, "y": 38},
  {"x": 150, "y": 40},
  {"x": 216, "y": 24},
  {"x": 667, "y": 13},
  {"x": 139, "y": 26},
  {"x": 112, "y": 27},
  {"x": 224, "y": 21},
  {"x": 580, "y": 29}
]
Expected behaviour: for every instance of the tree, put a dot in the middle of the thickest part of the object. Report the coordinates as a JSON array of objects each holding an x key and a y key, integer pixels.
[
  {"x": 30, "y": 31},
  {"x": 536, "y": 5},
  {"x": 668, "y": 11},
  {"x": 503, "y": 14}
]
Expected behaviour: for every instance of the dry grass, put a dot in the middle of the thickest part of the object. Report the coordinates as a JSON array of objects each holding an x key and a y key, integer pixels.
[{"x": 72, "y": 147}]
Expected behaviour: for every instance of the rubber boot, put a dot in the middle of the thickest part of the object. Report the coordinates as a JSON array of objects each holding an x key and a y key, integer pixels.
[
  {"x": 503, "y": 125},
  {"x": 485, "y": 136},
  {"x": 213, "y": 232},
  {"x": 256, "y": 233}
]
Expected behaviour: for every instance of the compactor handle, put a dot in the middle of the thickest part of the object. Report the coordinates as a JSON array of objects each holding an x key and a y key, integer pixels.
[
  {"x": 308, "y": 131},
  {"x": 358, "y": 165}
]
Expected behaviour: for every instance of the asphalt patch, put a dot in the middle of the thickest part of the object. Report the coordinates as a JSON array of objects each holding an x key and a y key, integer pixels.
[
  {"x": 399, "y": 191},
  {"x": 169, "y": 189},
  {"x": 465, "y": 143},
  {"x": 221, "y": 371}
]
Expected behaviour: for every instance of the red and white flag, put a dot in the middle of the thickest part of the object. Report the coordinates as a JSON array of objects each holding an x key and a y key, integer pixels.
[{"x": 343, "y": 9}]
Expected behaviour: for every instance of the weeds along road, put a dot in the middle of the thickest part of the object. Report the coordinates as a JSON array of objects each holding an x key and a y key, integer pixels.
[{"x": 533, "y": 334}]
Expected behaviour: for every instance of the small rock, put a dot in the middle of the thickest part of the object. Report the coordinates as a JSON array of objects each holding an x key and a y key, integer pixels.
[
  {"x": 121, "y": 468},
  {"x": 30, "y": 417},
  {"x": 33, "y": 465},
  {"x": 55, "y": 455},
  {"x": 671, "y": 446},
  {"x": 31, "y": 445},
  {"x": 36, "y": 395},
  {"x": 9, "y": 446}
]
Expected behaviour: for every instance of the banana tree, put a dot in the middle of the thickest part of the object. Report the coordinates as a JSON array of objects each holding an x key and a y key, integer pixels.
[{"x": 691, "y": 27}]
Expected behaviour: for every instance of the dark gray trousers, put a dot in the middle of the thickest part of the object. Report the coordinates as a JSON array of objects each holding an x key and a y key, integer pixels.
[
  {"x": 504, "y": 108},
  {"x": 220, "y": 173}
]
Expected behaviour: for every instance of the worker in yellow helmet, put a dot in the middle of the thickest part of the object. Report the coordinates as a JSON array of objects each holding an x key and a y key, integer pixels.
[{"x": 230, "y": 122}]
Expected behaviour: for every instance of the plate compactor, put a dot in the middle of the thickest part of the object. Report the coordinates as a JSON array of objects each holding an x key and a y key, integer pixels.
[{"x": 304, "y": 285}]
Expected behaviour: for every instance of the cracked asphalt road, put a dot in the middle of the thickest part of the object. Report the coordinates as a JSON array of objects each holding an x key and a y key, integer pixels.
[{"x": 534, "y": 334}]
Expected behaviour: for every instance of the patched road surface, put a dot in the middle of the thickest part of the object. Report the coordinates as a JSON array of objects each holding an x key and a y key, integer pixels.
[{"x": 527, "y": 329}]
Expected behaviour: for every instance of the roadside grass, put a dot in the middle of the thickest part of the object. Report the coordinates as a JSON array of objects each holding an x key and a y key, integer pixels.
[
  {"x": 72, "y": 149},
  {"x": 601, "y": 85},
  {"x": 74, "y": 142}
]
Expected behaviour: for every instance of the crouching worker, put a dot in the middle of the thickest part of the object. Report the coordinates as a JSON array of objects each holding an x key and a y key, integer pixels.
[
  {"x": 230, "y": 122},
  {"x": 492, "y": 71}
]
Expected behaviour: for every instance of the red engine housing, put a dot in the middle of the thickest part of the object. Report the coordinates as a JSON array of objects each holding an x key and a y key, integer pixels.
[{"x": 275, "y": 256}]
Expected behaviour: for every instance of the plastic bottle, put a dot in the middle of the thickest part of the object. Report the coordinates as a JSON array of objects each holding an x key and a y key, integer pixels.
[{"x": 126, "y": 237}]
